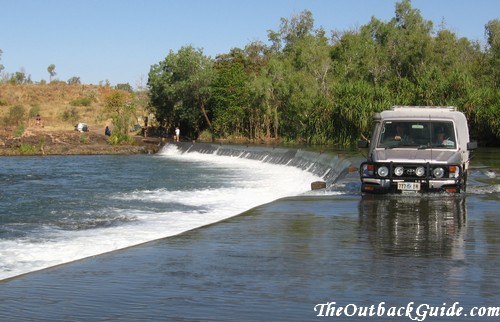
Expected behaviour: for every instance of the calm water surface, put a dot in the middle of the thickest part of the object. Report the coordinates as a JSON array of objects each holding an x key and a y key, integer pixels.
[{"x": 277, "y": 261}]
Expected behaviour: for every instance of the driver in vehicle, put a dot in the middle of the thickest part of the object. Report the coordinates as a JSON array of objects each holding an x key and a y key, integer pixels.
[
  {"x": 402, "y": 135},
  {"x": 443, "y": 138}
]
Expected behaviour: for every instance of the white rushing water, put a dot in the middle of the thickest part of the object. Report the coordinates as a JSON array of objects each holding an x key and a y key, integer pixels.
[{"x": 252, "y": 183}]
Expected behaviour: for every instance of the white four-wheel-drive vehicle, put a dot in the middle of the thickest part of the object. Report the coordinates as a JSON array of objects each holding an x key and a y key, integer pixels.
[{"x": 417, "y": 149}]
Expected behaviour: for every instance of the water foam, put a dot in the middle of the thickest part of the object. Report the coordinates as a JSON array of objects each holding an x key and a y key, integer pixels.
[{"x": 252, "y": 183}]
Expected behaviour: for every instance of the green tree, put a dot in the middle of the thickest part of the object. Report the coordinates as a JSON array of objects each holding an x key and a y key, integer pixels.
[
  {"x": 74, "y": 80},
  {"x": 20, "y": 78},
  {"x": 51, "y": 70},
  {"x": 180, "y": 90},
  {"x": 125, "y": 87},
  {"x": 259, "y": 113},
  {"x": 492, "y": 31},
  {"x": 300, "y": 77},
  {"x": 306, "y": 87},
  {"x": 120, "y": 107},
  {"x": 270, "y": 91},
  {"x": 291, "y": 30},
  {"x": 229, "y": 99}
]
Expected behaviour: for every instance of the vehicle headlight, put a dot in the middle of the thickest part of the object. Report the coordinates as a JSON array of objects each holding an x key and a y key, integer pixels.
[
  {"x": 420, "y": 171},
  {"x": 438, "y": 172},
  {"x": 383, "y": 171},
  {"x": 399, "y": 171}
]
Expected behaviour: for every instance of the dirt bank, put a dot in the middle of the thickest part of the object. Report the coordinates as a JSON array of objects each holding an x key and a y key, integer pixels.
[{"x": 40, "y": 142}]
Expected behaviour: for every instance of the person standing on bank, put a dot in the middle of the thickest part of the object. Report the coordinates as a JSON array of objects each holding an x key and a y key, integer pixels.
[
  {"x": 107, "y": 131},
  {"x": 177, "y": 134}
]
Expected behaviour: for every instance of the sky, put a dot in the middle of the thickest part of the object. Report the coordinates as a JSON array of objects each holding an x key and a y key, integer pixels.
[{"x": 117, "y": 41}]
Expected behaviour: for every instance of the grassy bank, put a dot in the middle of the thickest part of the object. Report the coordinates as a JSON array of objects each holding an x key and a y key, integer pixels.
[
  {"x": 59, "y": 105},
  {"x": 45, "y": 118}
]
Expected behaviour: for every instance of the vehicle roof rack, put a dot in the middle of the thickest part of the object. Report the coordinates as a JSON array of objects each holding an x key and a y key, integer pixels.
[{"x": 450, "y": 108}]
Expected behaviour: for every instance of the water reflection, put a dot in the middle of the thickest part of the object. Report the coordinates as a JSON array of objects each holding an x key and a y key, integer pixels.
[{"x": 432, "y": 225}]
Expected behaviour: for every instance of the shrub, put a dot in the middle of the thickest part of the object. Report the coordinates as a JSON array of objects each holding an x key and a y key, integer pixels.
[
  {"x": 120, "y": 138},
  {"x": 82, "y": 101},
  {"x": 19, "y": 131},
  {"x": 70, "y": 115},
  {"x": 26, "y": 149},
  {"x": 206, "y": 136},
  {"x": 15, "y": 116},
  {"x": 84, "y": 139},
  {"x": 34, "y": 111}
]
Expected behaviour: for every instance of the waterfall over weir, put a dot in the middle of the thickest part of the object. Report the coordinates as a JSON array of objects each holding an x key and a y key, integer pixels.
[{"x": 327, "y": 166}]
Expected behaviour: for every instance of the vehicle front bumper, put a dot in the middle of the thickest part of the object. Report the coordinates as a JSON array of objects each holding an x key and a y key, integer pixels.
[
  {"x": 374, "y": 180},
  {"x": 387, "y": 185}
]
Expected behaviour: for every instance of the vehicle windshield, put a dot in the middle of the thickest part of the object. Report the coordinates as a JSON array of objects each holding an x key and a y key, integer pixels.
[{"x": 417, "y": 134}]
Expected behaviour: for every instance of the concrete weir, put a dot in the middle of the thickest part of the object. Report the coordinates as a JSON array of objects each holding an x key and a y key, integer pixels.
[{"x": 327, "y": 166}]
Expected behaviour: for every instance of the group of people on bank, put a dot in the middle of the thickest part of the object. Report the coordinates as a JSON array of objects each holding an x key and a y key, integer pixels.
[{"x": 177, "y": 133}]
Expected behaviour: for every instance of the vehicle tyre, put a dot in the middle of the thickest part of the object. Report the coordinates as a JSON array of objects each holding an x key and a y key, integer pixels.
[{"x": 464, "y": 182}]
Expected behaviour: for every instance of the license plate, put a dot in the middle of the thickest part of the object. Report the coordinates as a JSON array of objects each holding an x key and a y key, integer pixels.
[{"x": 413, "y": 186}]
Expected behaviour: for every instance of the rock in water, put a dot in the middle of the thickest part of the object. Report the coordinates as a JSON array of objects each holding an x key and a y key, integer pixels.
[{"x": 316, "y": 185}]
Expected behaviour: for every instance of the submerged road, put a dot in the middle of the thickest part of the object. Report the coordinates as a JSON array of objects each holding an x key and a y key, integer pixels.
[{"x": 282, "y": 260}]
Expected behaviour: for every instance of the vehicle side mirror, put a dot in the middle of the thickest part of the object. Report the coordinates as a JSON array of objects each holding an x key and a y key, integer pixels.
[
  {"x": 472, "y": 145},
  {"x": 363, "y": 144}
]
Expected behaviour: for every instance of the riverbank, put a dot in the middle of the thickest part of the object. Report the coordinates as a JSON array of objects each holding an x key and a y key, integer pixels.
[
  {"x": 39, "y": 119},
  {"x": 67, "y": 142}
]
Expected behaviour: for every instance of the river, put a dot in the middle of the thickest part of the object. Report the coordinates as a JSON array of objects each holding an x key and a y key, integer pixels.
[{"x": 197, "y": 236}]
